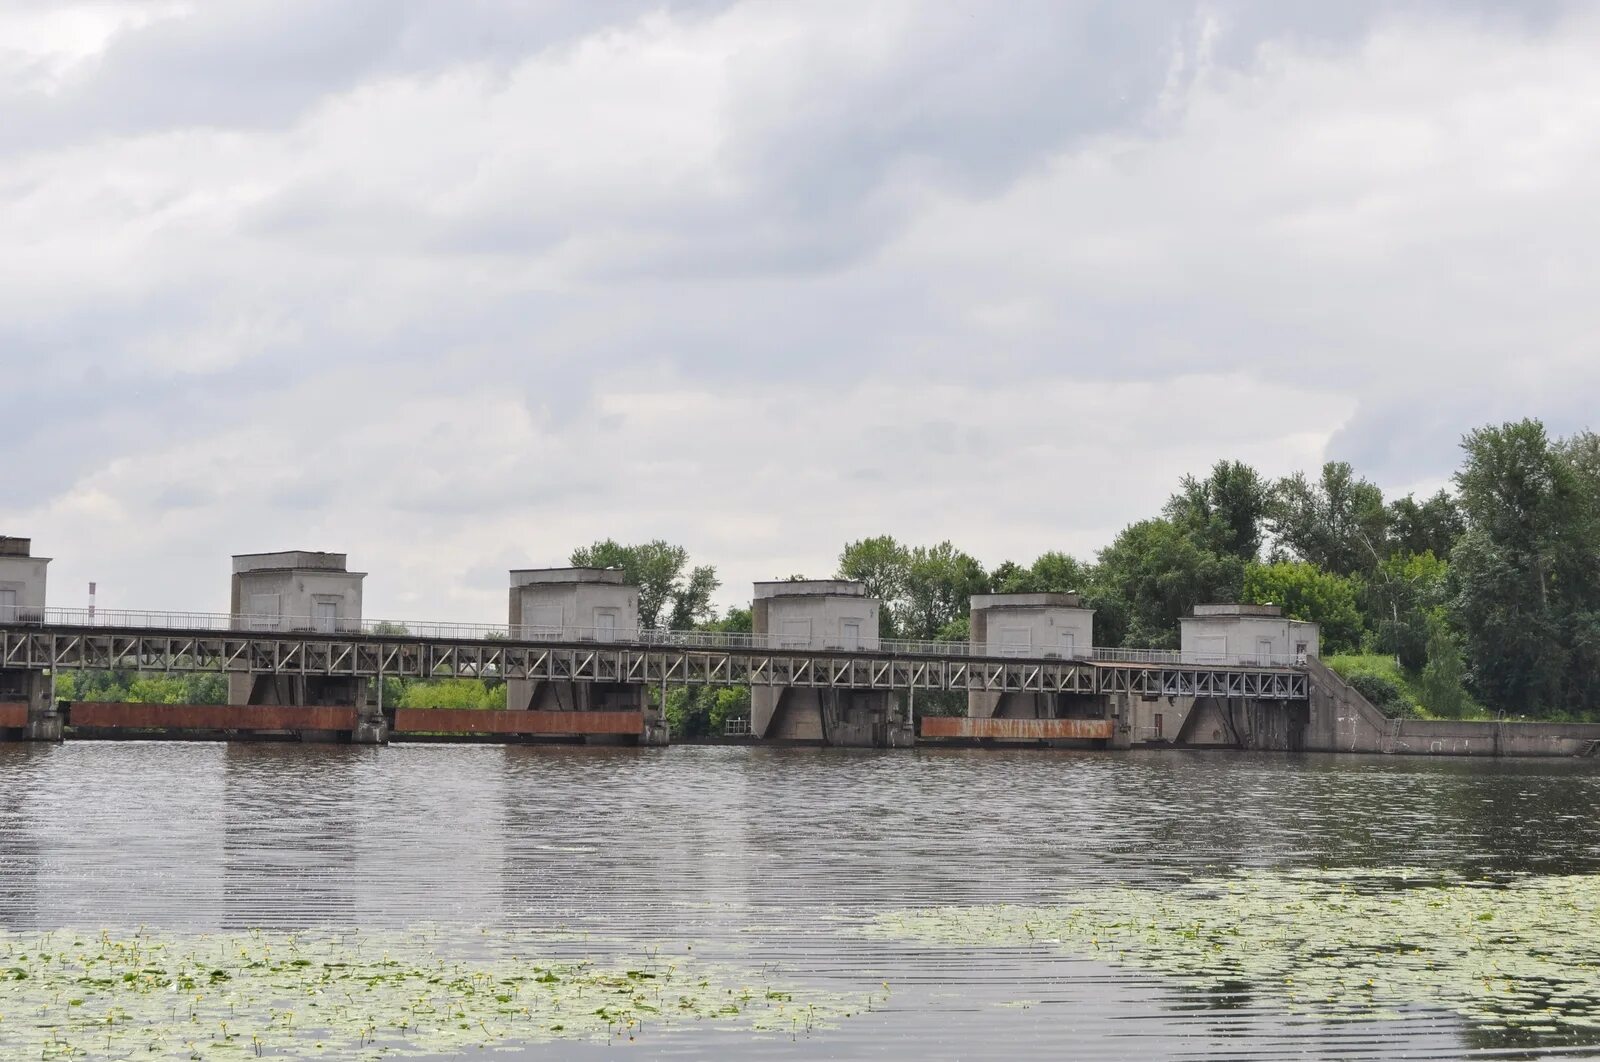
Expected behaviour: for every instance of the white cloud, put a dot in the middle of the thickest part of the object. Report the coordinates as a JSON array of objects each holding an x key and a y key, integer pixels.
[
  {"x": 438, "y": 496},
  {"x": 761, "y": 279}
]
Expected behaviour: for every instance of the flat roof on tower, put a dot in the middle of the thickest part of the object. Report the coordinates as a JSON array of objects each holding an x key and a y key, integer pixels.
[
  {"x": 290, "y": 560},
  {"x": 531, "y": 576},
  {"x": 1052, "y": 600},
  {"x": 810, "y": 587},
  {"x": 1202, "y": 611}
]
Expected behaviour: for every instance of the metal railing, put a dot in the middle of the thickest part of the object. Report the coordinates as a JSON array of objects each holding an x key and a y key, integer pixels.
[
  {"x": 1177, "y": 658},
  {"x": 711, "y": 640}
]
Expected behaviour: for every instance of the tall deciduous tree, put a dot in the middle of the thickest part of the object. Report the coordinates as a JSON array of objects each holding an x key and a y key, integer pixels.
[
  {"x": 1528, "y": 600},
  {"x": 1306, "y": 592},
  {"x": 1154, "y": 573},
  {"x": 1430, "y": 526},
  {"x": 1338, "y": 523},
  {"x": 669, "y": 590},
  {"x": 1226, "y": 509},
  {"x": 940, "y": 582},
  {"x": 1401, "y": 599},
  {"x": 1050, "y": 573},
  {"x": 880, "y": 564}
]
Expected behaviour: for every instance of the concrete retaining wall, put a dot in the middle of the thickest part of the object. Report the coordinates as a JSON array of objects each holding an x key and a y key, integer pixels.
[{"x": 1342, "y": 720}]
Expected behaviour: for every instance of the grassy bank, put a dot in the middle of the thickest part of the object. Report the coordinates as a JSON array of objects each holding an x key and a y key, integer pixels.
[{"x": 1391, "y": 688}]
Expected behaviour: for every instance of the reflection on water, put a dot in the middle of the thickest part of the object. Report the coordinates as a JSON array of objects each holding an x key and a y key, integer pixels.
[{"x": 779, "y": 857}]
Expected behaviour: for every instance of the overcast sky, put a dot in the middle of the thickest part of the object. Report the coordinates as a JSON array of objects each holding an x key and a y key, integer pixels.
[{"x": 455, "y": 287}]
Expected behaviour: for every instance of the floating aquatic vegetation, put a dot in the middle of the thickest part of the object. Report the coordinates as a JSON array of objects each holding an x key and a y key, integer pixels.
[
  {"x": 1521, "y": 954},
  {"x": 67, "y": 994}
]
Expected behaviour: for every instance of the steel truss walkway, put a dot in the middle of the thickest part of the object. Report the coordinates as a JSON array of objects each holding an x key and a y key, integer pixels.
[{"x": 366, "y": 654}]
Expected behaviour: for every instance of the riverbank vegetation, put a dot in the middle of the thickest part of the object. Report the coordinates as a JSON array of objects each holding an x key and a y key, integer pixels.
[
  {"x": 1479, "y": 599},
  {"x": 1483, "y": 598}
]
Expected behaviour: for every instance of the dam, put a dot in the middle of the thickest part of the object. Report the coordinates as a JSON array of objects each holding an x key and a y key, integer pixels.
[{"x": 303, "y": 663}]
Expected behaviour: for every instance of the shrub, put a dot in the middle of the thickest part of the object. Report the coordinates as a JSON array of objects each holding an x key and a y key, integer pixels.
[{"x": 1385, "y": 694}]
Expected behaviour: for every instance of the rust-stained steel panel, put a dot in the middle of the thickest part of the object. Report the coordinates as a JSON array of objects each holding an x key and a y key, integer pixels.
[
  {"x": 211, "y": 717},
  {"x": 13, "y": 713},
  {"x": 941, "y": 726},
  {"x": 483, "y": 721}
]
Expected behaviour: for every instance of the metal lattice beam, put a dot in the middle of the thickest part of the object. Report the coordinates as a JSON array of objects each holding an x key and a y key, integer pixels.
[{"x": 365, "y": 655}]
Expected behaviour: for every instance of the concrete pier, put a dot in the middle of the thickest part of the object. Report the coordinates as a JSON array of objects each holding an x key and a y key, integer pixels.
[
  {"x": 303, "y": 592},
  {"x": 22, "y": 601},
  {"x": 822, "y": 615},
  {"x": 593, "y": 607}
]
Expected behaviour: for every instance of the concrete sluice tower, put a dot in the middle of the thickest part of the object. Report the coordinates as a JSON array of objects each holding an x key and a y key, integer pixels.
[
  {"x": 586, "y": 605},
  {"x": 1246, "y": 634},
  {"x": 22, "y": 590},
  {"x": 296, "y": 592},
  {"x": 1033, "y": 625},
  {"x": 819, "y": 615}
]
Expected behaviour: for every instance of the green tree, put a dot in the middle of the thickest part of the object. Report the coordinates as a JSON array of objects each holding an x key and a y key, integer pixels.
[
  {"x": 1528, "y": 586},
  {"x": 1338, "y": 523},
  {"x": 701, "y": 711},
  {"x": 1306, "y": 592},
  {"x": 1050, "y": 573},
  {"x": 1400, "y": 600},
  {"x": 1010, "y": 578},
  {"x": 452, "y": 693},
  {"x": 142, "y": 687},
  {"x": 1226, "y": 510},
  {"x": 881, "y": 565},
  {"x": 669, "y": 590},
  {"x": 940, "y": 582},
  {"x": 1441, "y": 685},
  {"x": 1152, "y": 574},
  {"x": 1430, "y": 526}
]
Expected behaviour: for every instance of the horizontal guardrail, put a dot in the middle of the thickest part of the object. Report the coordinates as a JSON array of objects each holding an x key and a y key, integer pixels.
[{"x": 711, "y": 640}]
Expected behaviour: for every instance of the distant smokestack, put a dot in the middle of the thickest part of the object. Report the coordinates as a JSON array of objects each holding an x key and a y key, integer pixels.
[{"x": 91, "y": 602}]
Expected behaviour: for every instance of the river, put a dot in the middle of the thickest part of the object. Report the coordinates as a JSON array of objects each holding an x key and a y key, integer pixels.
[{"x": 792, "y": 868}]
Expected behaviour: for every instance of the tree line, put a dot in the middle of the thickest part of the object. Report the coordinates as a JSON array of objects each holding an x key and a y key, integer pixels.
[{"x": 1482, "y": 597}]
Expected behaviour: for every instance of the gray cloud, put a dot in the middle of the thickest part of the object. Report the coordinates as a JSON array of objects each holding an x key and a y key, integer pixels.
[{"x": 455, "y": 286}]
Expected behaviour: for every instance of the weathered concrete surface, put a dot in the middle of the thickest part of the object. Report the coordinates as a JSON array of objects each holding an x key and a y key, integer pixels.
[
  {"x": 22, "y": 581},
  {"x": 1236, "y": 634},
  {"x": 1443, "y": 737},
  {"x": 43, "y": 722},
  {"x": 853, "y": 718},
  {"x": 115, "y": 716},
  {"x": 1025, "y": 624},
  {"x": 581, "y": 604},
  {"x": 817, "y": 614},
  {"x": 943, "y": 726},
  {"x": 295, "y": 590},
  {"x": 1036, "y": 705},
  {"x": 1342, "y": 720},
  {"x": 482, "y": 721}
]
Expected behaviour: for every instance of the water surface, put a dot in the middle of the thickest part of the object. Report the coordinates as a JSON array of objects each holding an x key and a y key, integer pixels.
[{"x": 776, "y": 859}]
